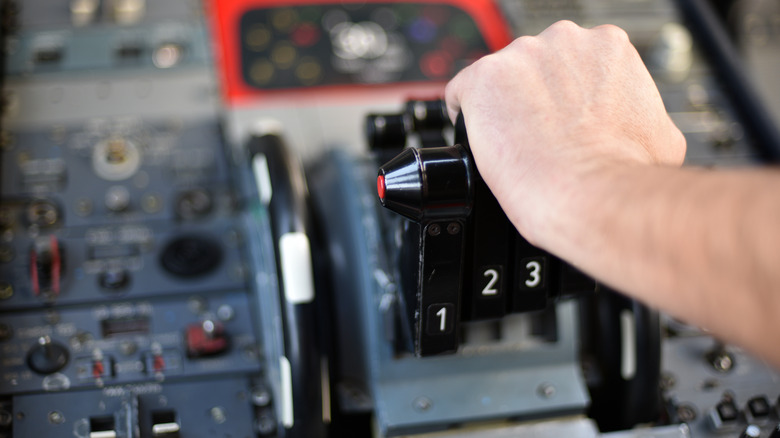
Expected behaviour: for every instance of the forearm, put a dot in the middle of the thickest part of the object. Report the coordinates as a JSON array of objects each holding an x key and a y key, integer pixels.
[{"x": 703, "y": 246}]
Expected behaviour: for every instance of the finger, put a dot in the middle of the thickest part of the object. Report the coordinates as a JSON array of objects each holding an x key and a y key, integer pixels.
[{"x": 453, "y": 94}]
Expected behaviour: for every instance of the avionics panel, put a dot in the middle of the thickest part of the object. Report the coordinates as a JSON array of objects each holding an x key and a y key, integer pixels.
[{"x": 327, "y": 45}]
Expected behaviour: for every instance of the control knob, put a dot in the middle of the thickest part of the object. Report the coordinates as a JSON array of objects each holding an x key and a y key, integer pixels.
[{"x": 47, "y": 356}]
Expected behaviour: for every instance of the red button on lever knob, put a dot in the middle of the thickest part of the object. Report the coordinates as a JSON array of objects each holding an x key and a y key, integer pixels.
[{"x": 380, "y": 186}]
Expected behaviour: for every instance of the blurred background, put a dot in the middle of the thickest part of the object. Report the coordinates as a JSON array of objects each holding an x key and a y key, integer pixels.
[{"x": 191, "y": 244}]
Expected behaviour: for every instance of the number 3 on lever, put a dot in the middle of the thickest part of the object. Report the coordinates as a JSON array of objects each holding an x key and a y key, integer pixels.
[{"x": 534, "y": 273}]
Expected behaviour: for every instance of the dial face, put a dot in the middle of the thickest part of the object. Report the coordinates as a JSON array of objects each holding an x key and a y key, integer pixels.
[{"x": 373, "y": 43}]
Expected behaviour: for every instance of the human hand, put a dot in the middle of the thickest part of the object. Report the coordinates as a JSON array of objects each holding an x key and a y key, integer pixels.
[{"x": 547, "y": 112}]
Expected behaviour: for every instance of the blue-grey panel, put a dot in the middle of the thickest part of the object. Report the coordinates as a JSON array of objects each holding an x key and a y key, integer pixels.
[
  {"x": 126, "y": 335},
  {"x": 214, "y": 408}
]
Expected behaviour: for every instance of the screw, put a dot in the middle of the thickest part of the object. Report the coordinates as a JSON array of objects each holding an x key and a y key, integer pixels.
[
  {"x": 721, "y": 360},
  {"x": 6, "y": 418},
  {"x": 151, "y": 203},
  {"x": 6, "y": 291},
  {"x": 84, "y": 207},
  {"x": 709, "y": 384},
  {"x": 668, "y": 381},
  {"x": 218, "y": 414},
  {"x": 265, "y": 425},
  {"x": 128, "y": 348},
  {"x": 7, "y": 219},
  {"x": 6, "y": 332},
  {"x": 6, "y": 254},
  {"x": 6, "y": 140},
  {"x": 724, "y": 363},
  {"x": 51, "y": 317},
  {"x": 197, "y": 305},
  {"x": 434, "y": 230},
  {"x": 261, "y": 396},
  {"x": 167, "y": 55},
  {"x": 453, "y": 228},
  {"x": 80, "y": 340},
  {"x": 546, "y": 390},
  {"x": 42, "y": 213},
  {"x": 752, "y": 431},
  {"x": 56, "y": 417},
  {"x": 225, "y": 312},
  {"x": 686, "y": 413},
  {"x": 422, "y": 404}
]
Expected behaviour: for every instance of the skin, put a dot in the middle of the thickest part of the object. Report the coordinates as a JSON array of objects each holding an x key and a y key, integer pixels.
[{"x": 569, "y": 132}]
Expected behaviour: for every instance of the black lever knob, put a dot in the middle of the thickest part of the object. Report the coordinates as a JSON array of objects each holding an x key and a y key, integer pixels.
[
  {"x": 427, "y": 115},
  {"x": 428, "y": 183},
  {"x": 386, "y": 131}
]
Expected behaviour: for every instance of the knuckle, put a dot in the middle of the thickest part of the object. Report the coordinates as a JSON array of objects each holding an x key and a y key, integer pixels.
[
  {"x": 485, "y": 64},
  {"x": 613, "y": 32},
  {"x": 524, "y": 46},
  {"x": 522, "y": 42},
  {"x": 491, "y": 65},
  {"x": 565, "y": 26}
]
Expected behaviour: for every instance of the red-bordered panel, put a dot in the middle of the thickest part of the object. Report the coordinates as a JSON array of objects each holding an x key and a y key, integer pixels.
[{"x": 292, "y": 48}]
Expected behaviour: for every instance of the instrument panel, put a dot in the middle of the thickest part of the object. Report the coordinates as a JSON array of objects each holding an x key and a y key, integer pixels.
[{"x": 193, "y": 243}]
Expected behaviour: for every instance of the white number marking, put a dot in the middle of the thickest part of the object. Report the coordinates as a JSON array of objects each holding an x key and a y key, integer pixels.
[
  {"x": 490, "y": 289},
  {"x": 535, "y": 273},
  {"x": 442, "y": 314}
]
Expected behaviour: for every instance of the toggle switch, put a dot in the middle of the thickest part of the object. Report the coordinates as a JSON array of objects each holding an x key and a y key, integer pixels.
[
  {"x": 46, "y": 267},
  {"x": 165, "y": 424},
  {"x": 428, "y": 183},
  {"x": 206, "y": 339}
]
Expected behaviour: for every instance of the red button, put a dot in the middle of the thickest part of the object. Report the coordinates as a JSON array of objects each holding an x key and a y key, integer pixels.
[
  {"x": 380, "y": 186},
  {"x": 305, "y": 35},
  {"x": 436, "y": 65},
  {"x": 158, "y": 363},
  {"x": 200, "y": 343},
  {"x": 98, "y": 369}
]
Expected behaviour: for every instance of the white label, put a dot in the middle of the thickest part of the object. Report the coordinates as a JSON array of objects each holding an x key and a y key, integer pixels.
[
  {"x": 295, "y": 256},
  {"x": 262, "y": 178},
  {"x": 628, "y": 344},
  {"x": 287, "y": 393}
]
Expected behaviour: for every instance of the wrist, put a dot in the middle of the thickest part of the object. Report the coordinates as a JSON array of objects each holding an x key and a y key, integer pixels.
[{"x": 574, "y": 200}]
